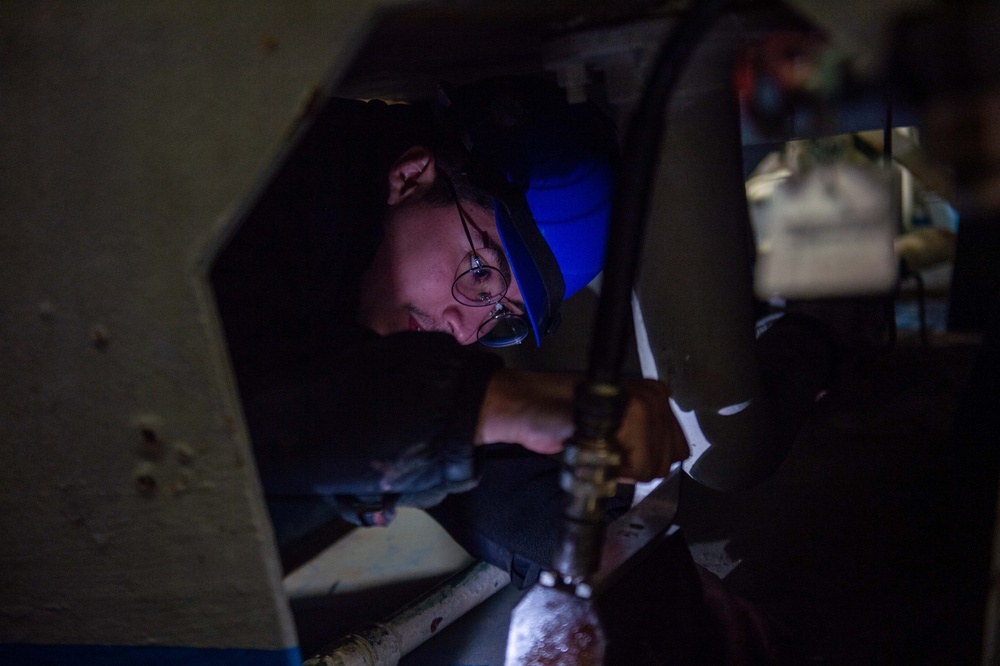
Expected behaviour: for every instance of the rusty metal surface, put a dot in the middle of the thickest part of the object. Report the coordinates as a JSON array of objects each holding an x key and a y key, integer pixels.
[
  {"x": 559, "y": 624},
  {"x": 553, "y": 627}
]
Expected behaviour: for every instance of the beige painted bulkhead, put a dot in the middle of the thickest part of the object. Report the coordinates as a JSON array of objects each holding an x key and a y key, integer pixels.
[{"x": 130, "y": 512}]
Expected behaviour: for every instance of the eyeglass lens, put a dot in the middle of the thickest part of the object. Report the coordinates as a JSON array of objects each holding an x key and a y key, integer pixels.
[
  {"x": 482, "y": 284},
  {"x": 502, "y": 329}
]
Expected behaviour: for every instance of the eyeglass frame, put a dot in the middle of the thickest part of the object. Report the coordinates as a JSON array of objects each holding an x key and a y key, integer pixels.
[{"x": 500, "y": 311}]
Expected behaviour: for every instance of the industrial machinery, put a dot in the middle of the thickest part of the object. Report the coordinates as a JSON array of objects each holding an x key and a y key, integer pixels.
[{"x": 133, "y": 525}]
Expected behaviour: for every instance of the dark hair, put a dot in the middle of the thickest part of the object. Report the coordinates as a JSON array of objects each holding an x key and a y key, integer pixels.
[{"x": 452, "y": 162}]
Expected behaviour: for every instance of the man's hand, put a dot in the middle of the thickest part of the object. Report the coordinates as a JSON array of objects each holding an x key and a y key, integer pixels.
[{"x": 535, "y": 410}]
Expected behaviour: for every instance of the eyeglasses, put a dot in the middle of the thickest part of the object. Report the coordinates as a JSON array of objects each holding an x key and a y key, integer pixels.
[{"x": 483, "y": 285}]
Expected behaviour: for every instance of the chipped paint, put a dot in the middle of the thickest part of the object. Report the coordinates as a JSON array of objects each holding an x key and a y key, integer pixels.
[{"x": 184, "y": 453}]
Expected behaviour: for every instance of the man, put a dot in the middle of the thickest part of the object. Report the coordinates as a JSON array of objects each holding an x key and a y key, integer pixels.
[{"x": 394, "y": 238}]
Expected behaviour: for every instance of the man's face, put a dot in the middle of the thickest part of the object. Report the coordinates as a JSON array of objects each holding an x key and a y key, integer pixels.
[{"x": 423, "y": 250}]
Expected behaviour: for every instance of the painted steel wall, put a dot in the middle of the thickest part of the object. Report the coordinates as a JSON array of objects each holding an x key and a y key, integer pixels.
[{"x": 130, "y": 517}]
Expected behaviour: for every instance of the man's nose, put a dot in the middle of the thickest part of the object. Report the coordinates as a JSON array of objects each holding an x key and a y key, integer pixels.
[{"x": 462, "y": 322}]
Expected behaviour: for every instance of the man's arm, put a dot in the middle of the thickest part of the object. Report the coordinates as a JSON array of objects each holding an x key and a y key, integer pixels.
[{"x": 535, "y": 410}]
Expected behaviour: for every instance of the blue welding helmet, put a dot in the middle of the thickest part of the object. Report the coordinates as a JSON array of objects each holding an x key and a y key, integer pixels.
[{"x": 550, "y": 167}]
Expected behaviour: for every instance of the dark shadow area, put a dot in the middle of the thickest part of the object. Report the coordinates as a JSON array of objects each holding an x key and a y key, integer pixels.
[{"x": 878, "y": 516}]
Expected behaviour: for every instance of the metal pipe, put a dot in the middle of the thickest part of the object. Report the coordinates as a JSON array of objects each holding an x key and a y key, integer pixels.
[
  {"x": 592, "y": 457},
  {"x": 640, "y": 154},
  {"x": 695, "y": 284},
  {"x": 384, "y": 643}
]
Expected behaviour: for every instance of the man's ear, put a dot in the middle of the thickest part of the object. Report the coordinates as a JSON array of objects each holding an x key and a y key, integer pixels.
[{"x": 412, "y": 174}]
